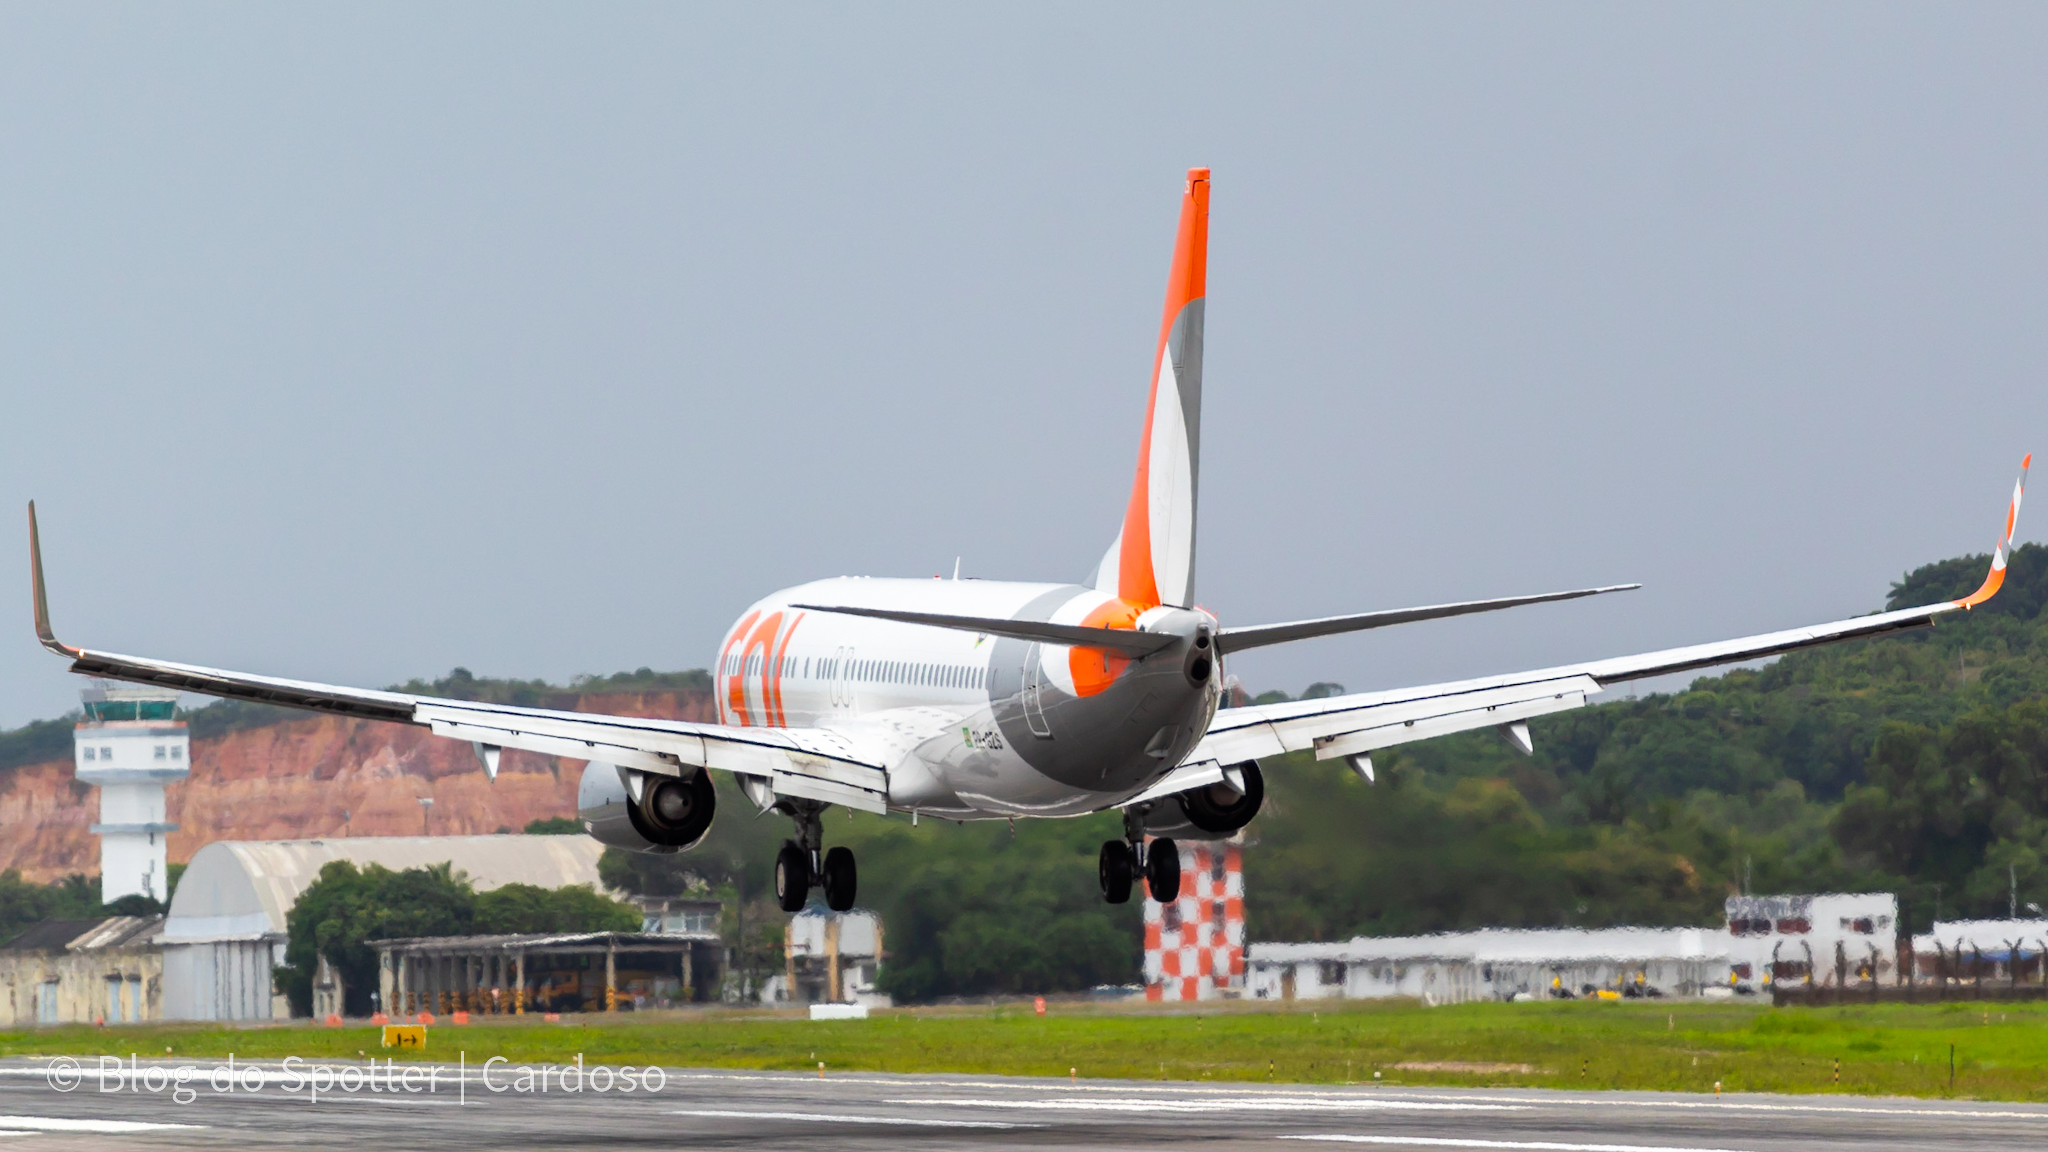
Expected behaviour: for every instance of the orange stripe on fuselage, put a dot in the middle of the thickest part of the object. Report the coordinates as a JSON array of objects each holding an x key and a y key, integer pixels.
[
  {"x": 1136, "y": 583},
  {"x": 735, "y": 700},
  {"x": 761, "y": 639},
  {"x": 772, "y": 688}
]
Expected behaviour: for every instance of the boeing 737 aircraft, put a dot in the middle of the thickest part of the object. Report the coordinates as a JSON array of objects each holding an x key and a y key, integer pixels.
[{"x": 978, "y": 699}]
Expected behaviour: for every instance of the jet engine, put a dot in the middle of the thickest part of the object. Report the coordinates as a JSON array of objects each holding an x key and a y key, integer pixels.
[
  {"x": 1213, "y": 811},
  {"x": 643, "y": 811}
]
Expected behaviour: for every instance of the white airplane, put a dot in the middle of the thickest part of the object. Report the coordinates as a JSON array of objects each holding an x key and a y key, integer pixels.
[{"x": 979, "y": 699}]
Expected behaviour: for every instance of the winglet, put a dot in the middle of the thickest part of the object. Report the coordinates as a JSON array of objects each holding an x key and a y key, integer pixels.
[
  {"x": 1996, "y": 577},
  {"x": 35, "y": 564}
]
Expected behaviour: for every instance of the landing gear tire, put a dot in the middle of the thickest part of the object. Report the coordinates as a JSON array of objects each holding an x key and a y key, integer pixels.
[
  {"x": 839, "y": 879},
  {"x": 1162, "y": 870},
  {"x": 1114, "y": 868},
  {"x": 792, "y": 877}
]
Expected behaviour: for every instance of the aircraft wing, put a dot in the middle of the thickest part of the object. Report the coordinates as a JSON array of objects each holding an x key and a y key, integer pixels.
[
  {"x": 810, "y": 763},
  {"x": 1356, "y": 725}
]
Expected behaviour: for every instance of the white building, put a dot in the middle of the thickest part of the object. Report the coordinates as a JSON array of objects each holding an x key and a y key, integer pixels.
[
  {"x": 1982, "y": 949},
  {"x": 226, "y": 928},
  {"x": 1493, "y": 964},
  {"x": 131, "y": 747},
  {"x": 829, "y": 958},
  {"x": 1831, "y": 939}
]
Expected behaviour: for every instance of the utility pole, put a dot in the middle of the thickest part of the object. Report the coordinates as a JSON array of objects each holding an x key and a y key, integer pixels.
[
  {"x": 426, "y": 822},
  {"x": 2012, "y": 891},
  {"x": 1937, "y": 901}
]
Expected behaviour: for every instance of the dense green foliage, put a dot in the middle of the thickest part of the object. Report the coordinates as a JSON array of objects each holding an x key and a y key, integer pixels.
[
  {"x": 345, "y": 908},
  {"x": 75, "y": 897},
  {"x": 37, "y": 742},
  {"x": 555, "y": 826},
  {"x": 1914, "y": 763},
  {"x": 22, "y": 904}
]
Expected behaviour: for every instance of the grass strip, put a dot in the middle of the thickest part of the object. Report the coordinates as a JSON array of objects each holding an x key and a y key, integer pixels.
[{"x": 2001, "y": 1051}]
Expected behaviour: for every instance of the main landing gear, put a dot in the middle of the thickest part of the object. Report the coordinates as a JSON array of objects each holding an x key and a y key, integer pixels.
[
  {"x": 798, "y": 867},
  {"x": 1123, "y": 861}
]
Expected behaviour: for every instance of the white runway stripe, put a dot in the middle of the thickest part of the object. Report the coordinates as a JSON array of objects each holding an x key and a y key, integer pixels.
[
  {"x": 102, "y": 1127},
  {"x": 1517, "y": 1145},
  {"x": 1241, "y": 1104},
  {"x": 829, "y": 1118}
]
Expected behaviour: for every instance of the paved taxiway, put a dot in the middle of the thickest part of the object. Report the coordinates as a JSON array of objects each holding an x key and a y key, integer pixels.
[{"x": 715, "y": 1109}]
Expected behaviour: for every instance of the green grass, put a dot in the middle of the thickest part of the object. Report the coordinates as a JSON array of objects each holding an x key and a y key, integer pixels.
[{"x": 2001, "y": 1050}]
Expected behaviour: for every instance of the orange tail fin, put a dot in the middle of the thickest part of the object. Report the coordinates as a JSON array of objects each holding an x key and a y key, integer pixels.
[{"x": 1152, "y": 561}]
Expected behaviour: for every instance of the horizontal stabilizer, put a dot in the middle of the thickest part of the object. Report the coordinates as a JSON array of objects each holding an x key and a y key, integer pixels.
[
  {"x": 1260, "y": 635},
  {"x": 1124, "y": 640}
]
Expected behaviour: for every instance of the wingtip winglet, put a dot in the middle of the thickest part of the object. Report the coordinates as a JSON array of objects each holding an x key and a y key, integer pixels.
[
  {"x": 42, "y": 599},
  {"x": 1995, "y": 579}
]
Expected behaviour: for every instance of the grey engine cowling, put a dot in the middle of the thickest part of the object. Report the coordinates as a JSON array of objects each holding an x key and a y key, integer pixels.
[
  {"x": 671, "y": 814},
  {"x": 1211, "y": 812}
]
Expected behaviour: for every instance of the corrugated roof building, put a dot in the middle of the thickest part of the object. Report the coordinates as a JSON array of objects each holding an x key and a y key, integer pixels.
[
  {"x": 84, "y": 971},
  {"x": 226, "y": 928}
]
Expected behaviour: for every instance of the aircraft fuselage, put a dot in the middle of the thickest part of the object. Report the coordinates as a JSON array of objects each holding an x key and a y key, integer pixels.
[{"x": 974, "y": 725}]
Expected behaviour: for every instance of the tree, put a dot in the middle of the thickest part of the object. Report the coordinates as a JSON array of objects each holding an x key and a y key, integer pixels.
[
  {"x": 519, "y": 908},
  {"x": 23, "y": 904},
  {"x": 345, "y": 908}
]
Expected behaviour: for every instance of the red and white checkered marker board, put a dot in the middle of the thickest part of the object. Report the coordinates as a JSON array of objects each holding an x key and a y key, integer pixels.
[{"x": 1194, "y": 947}]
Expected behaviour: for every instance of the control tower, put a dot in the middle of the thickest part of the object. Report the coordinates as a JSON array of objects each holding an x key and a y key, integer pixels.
[{"x": 130, "y": 745}]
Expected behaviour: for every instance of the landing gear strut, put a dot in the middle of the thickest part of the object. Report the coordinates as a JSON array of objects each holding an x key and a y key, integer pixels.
[
  {"x": 1123, "y": 861},
  {"x": 799, "y": 866}
]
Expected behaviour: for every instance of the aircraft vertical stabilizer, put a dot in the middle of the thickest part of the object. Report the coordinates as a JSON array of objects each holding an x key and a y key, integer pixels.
[{"x": 1152, "y": 561}]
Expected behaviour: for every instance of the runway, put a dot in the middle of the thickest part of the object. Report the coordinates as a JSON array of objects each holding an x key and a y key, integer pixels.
[{"x": 271, "y": 1106}]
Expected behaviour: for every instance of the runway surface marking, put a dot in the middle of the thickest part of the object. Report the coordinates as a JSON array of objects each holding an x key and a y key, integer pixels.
[
  {"x": 1542, "y": 1145},
  {"x": 1239, "y": 1092},
  {"x": 101, "y": 1127},
  {"x": 828, "y": 1118},
  {"x": 1240, "y": 1104}
]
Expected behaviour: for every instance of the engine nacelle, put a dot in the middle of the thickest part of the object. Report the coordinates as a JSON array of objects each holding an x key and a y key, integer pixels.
[
  {"x": 670, "y": 815},
  {"x": 1211, "y": 812}
]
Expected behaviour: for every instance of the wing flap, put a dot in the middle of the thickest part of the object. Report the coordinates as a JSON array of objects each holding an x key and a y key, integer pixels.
[
  {"x": 1388, "y": 735},
  {"x": 793, "y": 760},
  {"x": 1240, "y": 734}
]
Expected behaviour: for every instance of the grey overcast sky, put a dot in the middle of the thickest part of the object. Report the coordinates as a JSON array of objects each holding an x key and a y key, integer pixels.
[{"x": 358, "y": 342}]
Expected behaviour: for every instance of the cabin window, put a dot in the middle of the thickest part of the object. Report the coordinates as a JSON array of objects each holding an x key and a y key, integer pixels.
[
  {"x": 177, "y": 751},
  {"x": 91, "y": 753},
  {"x": 161, "y": 752}
]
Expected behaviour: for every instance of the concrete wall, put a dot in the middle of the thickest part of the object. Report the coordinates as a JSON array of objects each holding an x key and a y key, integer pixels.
[{"x": 119, "y": 985}]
